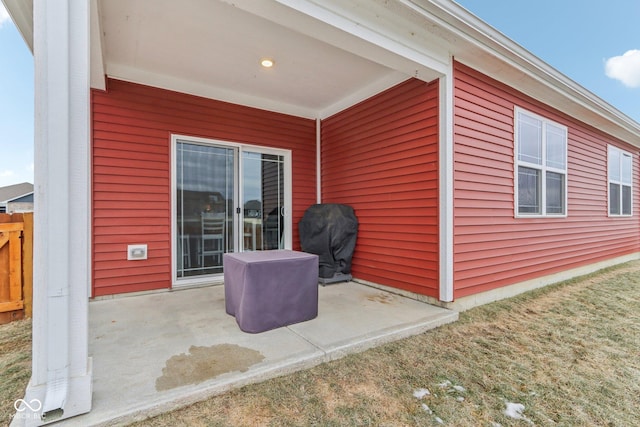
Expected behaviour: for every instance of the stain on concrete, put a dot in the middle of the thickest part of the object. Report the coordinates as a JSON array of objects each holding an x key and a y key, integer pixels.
[
  {"x": 205, "y": 363},
  {"x": 381, "y": 298}
]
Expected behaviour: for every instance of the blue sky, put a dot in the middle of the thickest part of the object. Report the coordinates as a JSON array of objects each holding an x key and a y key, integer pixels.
[
  {"x": 584, "y": 39},
  {"x": 16, "y": 105},
  {"x": 577, "y": 37}
]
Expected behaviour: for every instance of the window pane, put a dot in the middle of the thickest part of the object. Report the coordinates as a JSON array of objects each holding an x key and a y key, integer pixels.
[
  {"x": 529, "y": 139},
  {"x": 555, "y": 193},
  {"x": 614, "y": 199},
  {"x": 626, "y": 200},
  {"x": 528, "y": 190},
  {"x": 614, "y": 165},
  {"x": 556, "y": 147},
  {"x": 626, "y": 169}
]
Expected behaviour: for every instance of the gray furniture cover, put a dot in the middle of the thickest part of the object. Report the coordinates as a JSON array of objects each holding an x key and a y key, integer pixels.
[
  {"x": 330, "y": 230},
  {"x": 269, "y": 289}
]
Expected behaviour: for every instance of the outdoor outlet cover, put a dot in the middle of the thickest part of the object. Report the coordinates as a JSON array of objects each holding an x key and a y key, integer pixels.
[{"x": 136, "y": 252}]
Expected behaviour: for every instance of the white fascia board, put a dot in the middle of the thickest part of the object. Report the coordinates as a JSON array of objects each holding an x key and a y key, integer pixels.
[
  {"x": 482, "y": 36},
  {"x": 192, "y": 87},
  {"x": 338, "y": 16},
  {"x": 339, "y": 23},
  {"x": 21, "y": 12},
  {"x": 98, "y": 80}
]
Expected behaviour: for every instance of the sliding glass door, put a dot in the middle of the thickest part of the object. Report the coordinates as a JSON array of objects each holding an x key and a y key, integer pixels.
[
  {"x": 227, "y": 197},
  {"x": 205, "y": 188}
]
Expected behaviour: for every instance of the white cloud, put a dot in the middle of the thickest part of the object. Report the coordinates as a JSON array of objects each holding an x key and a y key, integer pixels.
[
  {"x": 6, "y": 173},
  {"x": 625, "y": 68},
  {"x": 4, "y": 15}
]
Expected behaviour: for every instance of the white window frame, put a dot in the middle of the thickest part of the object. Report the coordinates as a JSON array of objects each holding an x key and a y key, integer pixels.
[
  {"x": 620, "y": 182},
  {"x": 216, "y": 279},
  {"x": 543, "y": 168}
]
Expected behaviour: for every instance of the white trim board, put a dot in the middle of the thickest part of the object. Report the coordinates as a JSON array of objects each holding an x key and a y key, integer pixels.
[{"x": 469, "y": 302}]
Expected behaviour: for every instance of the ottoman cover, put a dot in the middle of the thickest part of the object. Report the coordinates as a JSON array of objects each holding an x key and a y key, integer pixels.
[{"x": 269, "y": 289}]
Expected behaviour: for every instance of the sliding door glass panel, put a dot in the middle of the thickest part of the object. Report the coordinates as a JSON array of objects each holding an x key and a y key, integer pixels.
[
  {"x": 263, "y": 201},
  {"x": 204, "y": 202}
]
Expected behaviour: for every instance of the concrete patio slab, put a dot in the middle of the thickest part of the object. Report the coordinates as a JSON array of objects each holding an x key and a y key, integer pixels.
[{"x": 157, "y": 352}]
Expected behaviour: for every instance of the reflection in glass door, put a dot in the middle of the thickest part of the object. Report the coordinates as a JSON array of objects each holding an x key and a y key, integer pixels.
[
  {"x": 263, "y": 201},
  {"x": 228, "y": 197},
  {"x": 204, "y": 207}
]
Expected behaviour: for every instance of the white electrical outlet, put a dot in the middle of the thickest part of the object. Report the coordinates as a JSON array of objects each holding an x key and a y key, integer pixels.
[{"x": 136, "y": 252}]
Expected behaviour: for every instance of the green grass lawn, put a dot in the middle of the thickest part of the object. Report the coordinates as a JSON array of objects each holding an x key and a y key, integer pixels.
[{"x": 565, "y": 355}]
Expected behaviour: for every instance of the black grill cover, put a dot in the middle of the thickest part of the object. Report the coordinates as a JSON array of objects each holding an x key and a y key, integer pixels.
[{"x": 330, "y": 230}]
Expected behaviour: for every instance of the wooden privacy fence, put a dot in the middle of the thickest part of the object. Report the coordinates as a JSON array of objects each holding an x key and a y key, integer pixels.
[{"x": 16, "y": 266}]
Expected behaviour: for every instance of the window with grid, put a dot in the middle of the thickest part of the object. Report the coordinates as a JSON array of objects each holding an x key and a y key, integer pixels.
[
  {"x": 541, "y": 166},
  {"x": 620, "y": 182}
]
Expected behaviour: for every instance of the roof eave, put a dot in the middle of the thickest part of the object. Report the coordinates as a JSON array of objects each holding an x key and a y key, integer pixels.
[
  {"x": 17, "y": 197},
  {"x": 21, "y": 12},
  {"x": 466, "y": 26}
]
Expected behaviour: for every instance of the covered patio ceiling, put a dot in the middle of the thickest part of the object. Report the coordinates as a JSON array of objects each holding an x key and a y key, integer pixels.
[
  {"x": 213, "y": 48},
  {"x": 329, "y": 54}
]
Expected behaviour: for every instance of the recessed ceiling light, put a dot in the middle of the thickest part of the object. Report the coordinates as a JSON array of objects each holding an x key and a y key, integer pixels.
[{"x": 267, "y": 62}]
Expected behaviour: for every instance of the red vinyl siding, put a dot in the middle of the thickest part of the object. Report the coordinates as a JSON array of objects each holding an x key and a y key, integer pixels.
[
  {"x": 132, "y": 126},
  {"x": 492, "y": 248},
  {"x": 381, "y": 158}
]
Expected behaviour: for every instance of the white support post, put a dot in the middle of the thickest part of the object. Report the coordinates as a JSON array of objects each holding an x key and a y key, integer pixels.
[
  {"x": 446, "y": 186},
  {"x": 61, "y": 382},
  {"x": 318, "y": 160}
]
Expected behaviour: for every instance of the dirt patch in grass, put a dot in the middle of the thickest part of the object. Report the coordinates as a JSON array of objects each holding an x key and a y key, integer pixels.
[
  {"x": 15, "y": 365},
  {"x": 568, "y": 355}
]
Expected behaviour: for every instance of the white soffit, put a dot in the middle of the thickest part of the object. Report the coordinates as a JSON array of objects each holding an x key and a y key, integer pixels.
[
  {"x": 213, "y": 49},
  {"x": 21, "y": 13}
]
